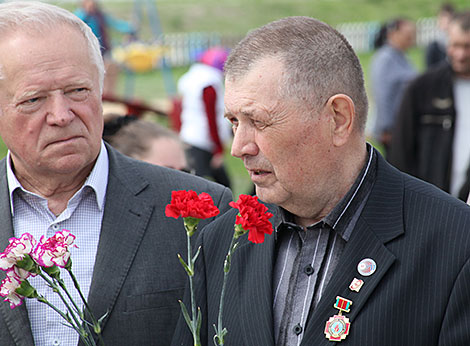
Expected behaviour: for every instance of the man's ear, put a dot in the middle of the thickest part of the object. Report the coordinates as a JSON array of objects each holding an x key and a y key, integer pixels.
[{"x": 343, "y": 117}]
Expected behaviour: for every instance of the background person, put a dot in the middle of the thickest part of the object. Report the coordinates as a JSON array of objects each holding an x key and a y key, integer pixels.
[
  {"x": 145, "y": 140},
  {"x": 390, "y": 72},
  {"x": 436, "y": 50},
  {"x": 101, "y": 23},
  {"x": 296, "y": 99},
  {"x": 203, "y": 126},
  {"x": 431, "y": 136},
  {"x": 59, "y": 174}
]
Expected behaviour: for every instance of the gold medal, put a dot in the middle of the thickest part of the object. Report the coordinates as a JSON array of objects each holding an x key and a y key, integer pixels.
[{"x": 337, "y": 327}]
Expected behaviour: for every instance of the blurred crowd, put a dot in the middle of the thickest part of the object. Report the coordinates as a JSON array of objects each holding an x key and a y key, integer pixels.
[{"x": 422, "y": 120}]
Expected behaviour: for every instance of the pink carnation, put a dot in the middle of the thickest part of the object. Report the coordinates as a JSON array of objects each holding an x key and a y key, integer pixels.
[
  {"x": 8, "y": 287},
  {"x": 54, "y": 250},
  {"x": 16, "y": 250}
]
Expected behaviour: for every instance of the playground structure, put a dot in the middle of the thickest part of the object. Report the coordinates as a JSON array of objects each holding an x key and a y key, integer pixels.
[{"x": 139, "y": 57}]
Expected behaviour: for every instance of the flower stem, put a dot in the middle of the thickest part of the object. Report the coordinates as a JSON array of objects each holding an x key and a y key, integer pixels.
[
  {"x": 86, "y": 337},
  {"x": 41, "y": 299},
  {"x": 220, "y": 331},
  {"x": 193, "y": 327},
  {"x": 96, "y": 324}
]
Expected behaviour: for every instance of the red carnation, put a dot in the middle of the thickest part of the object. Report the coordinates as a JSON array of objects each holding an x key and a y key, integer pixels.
[
  {"x": 189, "y": 204},
  {"x": 253, "y": 217}
]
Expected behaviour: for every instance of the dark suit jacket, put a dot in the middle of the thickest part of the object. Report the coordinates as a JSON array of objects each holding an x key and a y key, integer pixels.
[
  {"x": 419, "y": 295},
  {"x": 137, "y": 276},
  {"x": 423, "y": 137}
]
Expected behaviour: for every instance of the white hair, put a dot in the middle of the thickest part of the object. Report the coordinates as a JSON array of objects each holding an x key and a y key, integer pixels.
[{"x": 42, "y": 18}]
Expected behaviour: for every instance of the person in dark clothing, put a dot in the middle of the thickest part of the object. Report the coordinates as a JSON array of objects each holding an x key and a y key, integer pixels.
[
  {"x": 436, "y": 49},
  {"x": 431, "y": 139}
]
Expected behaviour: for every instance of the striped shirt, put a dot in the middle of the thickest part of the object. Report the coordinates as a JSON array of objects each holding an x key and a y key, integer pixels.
[
  {"x": 306, "y": 260},
  {"x": 82, "y": 218}
]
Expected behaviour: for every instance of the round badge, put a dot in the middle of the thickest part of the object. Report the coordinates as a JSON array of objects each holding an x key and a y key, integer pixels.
[{"x": 367, "y": 267}]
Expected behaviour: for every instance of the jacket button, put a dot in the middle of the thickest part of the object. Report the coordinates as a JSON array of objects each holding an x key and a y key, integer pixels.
[{"x": 309, "y": 270}]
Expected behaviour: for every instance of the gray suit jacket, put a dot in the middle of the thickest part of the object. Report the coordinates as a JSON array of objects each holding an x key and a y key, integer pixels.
[
  {"x": 419, "y": 295},
  {"x": 137, "y": 277}
]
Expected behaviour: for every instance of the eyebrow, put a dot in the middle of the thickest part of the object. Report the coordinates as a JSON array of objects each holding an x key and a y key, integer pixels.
[
  {"x": 25, "y": 95},
  {"x": 38, "y": 90},
  {"x": 245, "y": 113}
]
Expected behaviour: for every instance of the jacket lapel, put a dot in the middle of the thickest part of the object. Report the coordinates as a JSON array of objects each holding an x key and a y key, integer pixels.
[
  {"x": 254, "y": 263},
  {"x": 16, "y": 320},
  {"x": 380, "y": 222},
  {"x": 363, "y": 244},
  {"x": 124, "y": 223}
]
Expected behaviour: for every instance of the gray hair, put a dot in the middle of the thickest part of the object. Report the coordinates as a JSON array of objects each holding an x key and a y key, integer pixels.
[
  {"x": 318, "y": 61},
  {"x": 41, "y": 17}
]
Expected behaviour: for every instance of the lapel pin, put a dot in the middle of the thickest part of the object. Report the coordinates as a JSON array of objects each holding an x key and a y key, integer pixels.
[
  {"x": 337, "y": 327},
  {"x": 367, "y": 267},
  {"x": 356, "y": 285}
]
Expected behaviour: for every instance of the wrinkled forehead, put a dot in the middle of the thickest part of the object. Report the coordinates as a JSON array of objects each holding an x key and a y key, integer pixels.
[{"x": 262, "y": 79}]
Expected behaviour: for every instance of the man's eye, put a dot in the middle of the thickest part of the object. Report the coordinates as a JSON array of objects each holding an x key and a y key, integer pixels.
[
  {"x": 31, "y": 101},
  {"x": 76, "y": 91},
  {"x": 30, "y": 105},
  {"x": 259, "y": 124},
  {"x": 233, "y": 121},
  {"x": 78, "y": 94}
]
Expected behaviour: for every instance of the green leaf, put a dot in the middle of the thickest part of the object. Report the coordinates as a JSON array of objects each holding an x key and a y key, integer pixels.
[
  {"x": 196, "y": 255},
  {"x": 198, "y": 322},
  {"x": 186, "y": 315},
  {"x": 101, "y": 319},
  {"x": 185, "y": 266}
]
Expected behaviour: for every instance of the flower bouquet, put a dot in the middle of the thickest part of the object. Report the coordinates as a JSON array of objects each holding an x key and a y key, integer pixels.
[
  {"x": 252, "y": 217},
  {"x": 25, "y": 257}
]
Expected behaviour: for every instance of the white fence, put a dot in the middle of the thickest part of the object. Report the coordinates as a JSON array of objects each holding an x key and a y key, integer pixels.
[
  {"x": 361, "y": 35},
  {"x": 183, "y": 48}
]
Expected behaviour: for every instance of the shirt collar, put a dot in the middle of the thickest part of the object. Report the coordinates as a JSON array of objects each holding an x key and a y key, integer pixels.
[
  {"x": 342, "y": 214},
  {"x": 97, "y": 180}
]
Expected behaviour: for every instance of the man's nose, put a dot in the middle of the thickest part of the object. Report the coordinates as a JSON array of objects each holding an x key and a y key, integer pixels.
[
  {"x": 244, "y": 142},
  {"x": 59, "y": 111}
]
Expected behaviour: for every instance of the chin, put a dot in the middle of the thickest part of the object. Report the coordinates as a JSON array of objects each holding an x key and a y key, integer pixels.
[{"x": 270, "y": 195}]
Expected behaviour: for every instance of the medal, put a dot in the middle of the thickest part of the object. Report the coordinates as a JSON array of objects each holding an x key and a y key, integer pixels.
[
  {"x": 356, "y": 285},
  {"x": 337, "y": 327}
]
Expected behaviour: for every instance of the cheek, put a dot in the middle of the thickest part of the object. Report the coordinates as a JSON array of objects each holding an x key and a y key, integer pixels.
[
  {"x": 14, "y": 127},
  {"x": 91, "y": 115}
]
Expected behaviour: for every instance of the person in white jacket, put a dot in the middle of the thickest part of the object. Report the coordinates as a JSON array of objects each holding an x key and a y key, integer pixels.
[{"x": 203, "y": 126}]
